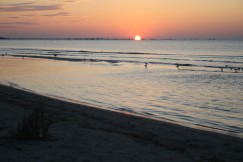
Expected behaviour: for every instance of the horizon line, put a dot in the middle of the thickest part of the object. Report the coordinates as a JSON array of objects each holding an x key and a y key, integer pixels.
[{"x": 114, "y": 38}]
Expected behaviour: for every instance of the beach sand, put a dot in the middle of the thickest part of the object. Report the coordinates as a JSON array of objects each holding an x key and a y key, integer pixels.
[{"x": 85, "y": 133}]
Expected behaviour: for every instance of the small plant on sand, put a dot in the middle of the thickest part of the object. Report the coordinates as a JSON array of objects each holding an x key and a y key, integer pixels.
[{"x": 35, "y": 124}]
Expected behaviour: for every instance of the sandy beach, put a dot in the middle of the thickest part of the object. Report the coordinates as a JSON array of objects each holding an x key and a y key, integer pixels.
[
  {"x": 121, "y": 81},
  {"x": 85, "y": 133}
]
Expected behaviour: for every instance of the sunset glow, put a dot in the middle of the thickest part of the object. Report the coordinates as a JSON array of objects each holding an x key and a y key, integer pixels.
[
  {"x": 121, "y": 19},
  {"x": 137, "y": 38}
]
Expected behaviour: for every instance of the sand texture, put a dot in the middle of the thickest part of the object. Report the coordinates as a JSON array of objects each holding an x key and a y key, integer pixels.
[{"x": 85, "y": 133}]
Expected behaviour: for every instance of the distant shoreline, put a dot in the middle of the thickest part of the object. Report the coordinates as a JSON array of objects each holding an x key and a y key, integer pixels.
[{"x": 132, "y": 39}]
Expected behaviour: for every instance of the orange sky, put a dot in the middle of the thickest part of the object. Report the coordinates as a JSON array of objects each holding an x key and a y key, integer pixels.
[{"x": 122, "y": 18}]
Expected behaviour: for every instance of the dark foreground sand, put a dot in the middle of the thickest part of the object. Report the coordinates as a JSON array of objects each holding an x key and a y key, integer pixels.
[{"x": 84, "y": 133}]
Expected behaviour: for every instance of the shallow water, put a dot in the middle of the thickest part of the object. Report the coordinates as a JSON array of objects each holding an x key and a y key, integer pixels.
[{"x": 196, "y": 95}]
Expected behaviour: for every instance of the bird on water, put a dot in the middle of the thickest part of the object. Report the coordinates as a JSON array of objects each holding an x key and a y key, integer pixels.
[{"x": 146, "y": 64}]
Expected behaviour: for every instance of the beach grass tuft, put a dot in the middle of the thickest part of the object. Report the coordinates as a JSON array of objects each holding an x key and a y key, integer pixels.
[{"x": 35, "y": 124}]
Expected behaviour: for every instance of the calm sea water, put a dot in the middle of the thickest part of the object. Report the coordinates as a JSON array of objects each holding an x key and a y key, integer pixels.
[{"x": 198, "y": 94}]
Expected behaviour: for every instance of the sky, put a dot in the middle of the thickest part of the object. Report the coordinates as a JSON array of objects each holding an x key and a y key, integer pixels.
[{"x": 121, "y": 18}]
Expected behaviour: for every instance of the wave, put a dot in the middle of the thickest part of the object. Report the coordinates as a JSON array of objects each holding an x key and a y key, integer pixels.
[
  {"x": 83, "y": 51},
  {"x": 80, "y": 52},
  {"x": 130, "y": 61},
  {"x": 221, "y": 62}
]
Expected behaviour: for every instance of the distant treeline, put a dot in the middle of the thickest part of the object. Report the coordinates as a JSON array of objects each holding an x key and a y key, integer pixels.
[
  {"x": 3, "y": 38},
  {"x": 98, "y": 38},
  {"x": 68, "y": 38}
]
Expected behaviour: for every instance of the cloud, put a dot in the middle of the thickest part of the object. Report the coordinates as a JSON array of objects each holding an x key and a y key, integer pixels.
[
  {"x": 29, "y": 15},
  {"x": 64, "y": 0},
  {"x": 8, "y": 26},
  {"x": 81, "y": 19},
  {"x": 18, "y": 23},
  {"x": 77, "y": 21},
  {"x": 69, "y": 1},
  {"x": 58, "y": 14},
  {"x": 22, "y": 7},
  {"x": 13, "y": 17}
]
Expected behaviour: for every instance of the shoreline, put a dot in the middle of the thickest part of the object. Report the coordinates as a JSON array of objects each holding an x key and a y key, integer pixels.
[
  {"x": 225, "y": 68},
  {"x": 197, "y": 125},
  {"x": 131, "y": 113},
  {"x": 86, "y": 133}
]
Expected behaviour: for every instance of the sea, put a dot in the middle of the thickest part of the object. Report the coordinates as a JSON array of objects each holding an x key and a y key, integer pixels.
[{"x": 196, "y": 83}]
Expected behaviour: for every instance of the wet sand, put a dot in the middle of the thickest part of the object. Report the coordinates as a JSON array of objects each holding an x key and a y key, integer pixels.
[
  {"x": 86, "y": 133},
  {"x": 55, "y": 57}
]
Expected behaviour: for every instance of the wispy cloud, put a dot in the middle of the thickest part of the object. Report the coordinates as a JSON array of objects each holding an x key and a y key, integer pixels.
[
  {"x": 78, "y": 21},
  {"x": 81, "y": 19},
  {"x": 8, "y": 26},
  {"x": 22, "y": 7},
  {"x": 29, "y": 15},
  {"x": 58, "y": 14},
  {"x": 13, "y": 17},
  {"x": 18, "y": 23},
  {"x": 69, "y": 1}
]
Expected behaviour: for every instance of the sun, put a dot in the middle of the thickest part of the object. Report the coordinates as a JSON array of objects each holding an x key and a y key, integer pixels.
[{"x": 137, "y": 38}]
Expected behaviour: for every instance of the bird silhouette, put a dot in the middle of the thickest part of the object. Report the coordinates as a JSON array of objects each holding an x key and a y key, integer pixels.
[{"x": 146, "y": 64}]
